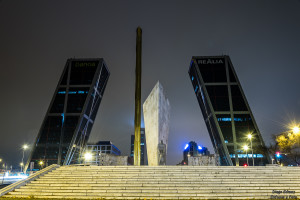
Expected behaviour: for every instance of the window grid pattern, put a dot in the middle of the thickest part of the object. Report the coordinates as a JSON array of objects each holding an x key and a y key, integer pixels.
[
  {"x": 71, "y": 114},
  {"x": 225, "y": 110},
  {"x": 143, "y": 147}
]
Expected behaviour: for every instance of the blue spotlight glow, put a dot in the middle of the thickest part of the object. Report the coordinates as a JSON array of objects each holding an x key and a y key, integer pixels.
[
  {"x": 199, "y": 147},
  {"x": 186, "y": 146}
]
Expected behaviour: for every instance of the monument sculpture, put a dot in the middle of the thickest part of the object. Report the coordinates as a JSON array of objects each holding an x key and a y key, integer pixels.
[{"x": 156, "y": 117}]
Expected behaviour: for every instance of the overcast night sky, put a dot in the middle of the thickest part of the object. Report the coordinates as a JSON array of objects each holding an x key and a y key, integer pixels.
[{"x": 261, "y": 37}]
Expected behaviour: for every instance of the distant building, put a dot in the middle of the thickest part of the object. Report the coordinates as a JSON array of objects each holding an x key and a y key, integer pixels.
[
  {"x": 192, "y": 149},
  {"x": 70, "y": 117},
  {"x": 143, "y": 147},
  {"x": 226, "y": 112},
  {"x": 101, "y": 147}
]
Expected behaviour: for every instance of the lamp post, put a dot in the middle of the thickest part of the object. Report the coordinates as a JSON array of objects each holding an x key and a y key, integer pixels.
[
  {"x": 22, "y": 163},
  {"x": 41, "y": 164},
  {"x": 87, "y": 157},
  {"x": 4, "y": 169},
  {"x": 296, "y": 129},
  {"x": 246, "y": 149},
  {"x": 250, "y": 138}
]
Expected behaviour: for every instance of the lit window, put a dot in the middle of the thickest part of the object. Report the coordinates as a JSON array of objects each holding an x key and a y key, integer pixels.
[{"x": 226, "y": 119}]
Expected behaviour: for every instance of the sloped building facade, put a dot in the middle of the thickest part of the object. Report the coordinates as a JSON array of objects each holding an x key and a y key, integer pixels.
[
  {"x": 226, "y": 112},
  {"x": 71, "y": 114}
]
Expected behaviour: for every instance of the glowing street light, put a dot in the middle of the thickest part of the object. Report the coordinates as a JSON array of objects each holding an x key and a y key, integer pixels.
[
  {"x": 24, "y": 147},
  {"x": 296, "y": 129},
  {"x": 87, "y": 156},
  {"x": 245, "y": 147},
  {"x": 250, "y": 138},
  {"x": 41, "y": 163}
]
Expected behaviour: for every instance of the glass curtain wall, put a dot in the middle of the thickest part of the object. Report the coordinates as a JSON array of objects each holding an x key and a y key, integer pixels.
[
  {"x": 226, "y": 112},
  {"x": 71, "y": 114}
]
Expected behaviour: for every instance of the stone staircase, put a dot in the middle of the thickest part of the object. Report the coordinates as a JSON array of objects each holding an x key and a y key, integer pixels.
[{"x": 164, "y": 182}]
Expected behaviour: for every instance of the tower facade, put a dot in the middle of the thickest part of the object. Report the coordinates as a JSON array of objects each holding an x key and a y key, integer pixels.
[
  {"x": 226, "y": 112},
  {"x": 143, "y": 147},
  {"x": 71, "y": 114}
]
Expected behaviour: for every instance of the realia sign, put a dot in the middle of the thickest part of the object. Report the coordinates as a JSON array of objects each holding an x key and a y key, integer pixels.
[{"x": 210, "y": 61}]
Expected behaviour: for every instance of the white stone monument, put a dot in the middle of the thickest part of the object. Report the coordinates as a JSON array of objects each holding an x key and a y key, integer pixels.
[{"x": 156, "y": 110}]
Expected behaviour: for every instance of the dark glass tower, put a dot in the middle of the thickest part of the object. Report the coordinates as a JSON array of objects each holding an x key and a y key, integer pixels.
[
  {"x": 226, "y": 111},
  {"x": 71, "y": 114},
  {"x": 143, "y": 147}
]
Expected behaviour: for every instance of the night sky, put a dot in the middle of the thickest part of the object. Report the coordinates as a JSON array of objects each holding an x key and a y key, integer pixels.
[{"x": 262, "y": 39}]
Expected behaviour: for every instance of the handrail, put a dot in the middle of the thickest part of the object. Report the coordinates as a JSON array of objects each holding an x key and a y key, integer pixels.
[{"x": 32, "y": 177}]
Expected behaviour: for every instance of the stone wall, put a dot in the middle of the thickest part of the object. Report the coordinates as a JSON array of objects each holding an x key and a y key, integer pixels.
[
  {"x": 112, "y": 160},
  {"x": 202, "y": 160}
]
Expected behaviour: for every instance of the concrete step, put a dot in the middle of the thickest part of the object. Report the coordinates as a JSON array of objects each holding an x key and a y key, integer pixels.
[
  {"x": 145, "y": 193},
  {"x": 163, "y": 182},
  {"x": 143, "y": 190},
  {"x": 173, "y": 177},
  {"x": 223, "y": 187},
  {"x": 201, "y": 181},
  {"x": 143, "y": 198},
  {"x": 185, "y": 181}
]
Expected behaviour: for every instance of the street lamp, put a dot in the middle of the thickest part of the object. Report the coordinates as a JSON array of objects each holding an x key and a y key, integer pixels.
[
  {"x": 87, "y": 156},
  {"x": 41, "y": 164},
  {"x": 245, "y": 147},
  {"x": 250, "y": 138},
  {"x": 296, "y": 129},
  {"x": 24, "y": 147}
]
